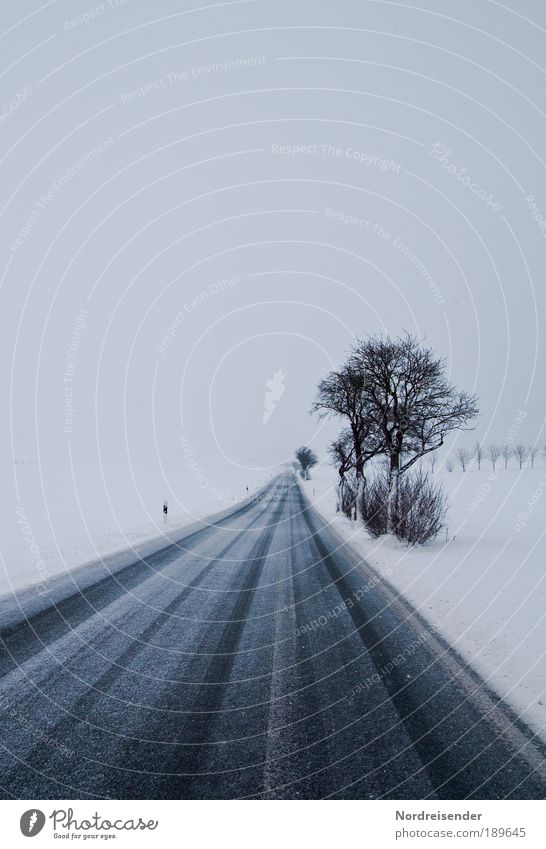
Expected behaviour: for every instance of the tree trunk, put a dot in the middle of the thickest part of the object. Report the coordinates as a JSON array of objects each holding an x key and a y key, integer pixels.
[
  {"x": 341, "y": 493},
  {"x": 392, "y": 495},
  {"x": 359, "y": 469},
  {"x": 360, "y": 483}
]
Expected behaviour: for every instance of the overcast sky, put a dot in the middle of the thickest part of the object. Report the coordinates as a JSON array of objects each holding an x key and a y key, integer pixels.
[{"x": 198, "y": 202}]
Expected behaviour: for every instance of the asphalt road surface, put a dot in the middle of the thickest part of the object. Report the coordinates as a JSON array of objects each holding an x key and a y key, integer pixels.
[{"x": 258, "y": 657}]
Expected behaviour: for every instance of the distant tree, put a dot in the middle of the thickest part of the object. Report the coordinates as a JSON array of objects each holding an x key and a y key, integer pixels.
[
  {"x": 479, "y": 454},
  {"x": 506, "y": 453},
  {"x": 307, "y": 459},
  {"x": 493, "y": 452},
  {"x": 463, "y": 457},
  {"x": 432, "y": 461},
  {"x": 532, "y": 452},
  {"x": 449, "y": 464},
  {"x": 520, "y": 452}
]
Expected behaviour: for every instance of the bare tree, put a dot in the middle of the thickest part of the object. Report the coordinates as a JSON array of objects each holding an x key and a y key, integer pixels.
[
  {"x": 342, "y": 454},
  {"x": 520, "y": 452},
  {"x": 463, "y": 458},
  {"x": 432, "y": 461},
  {"x": 307, "y": 459},
  {"x": 479, "y": 454},
  {"x": 532, "y": 453},
  {"x": 399, "y": 403},
  {"x": 341, "y": 394},
  {"x": 506, "y": 453},
  {"x": 493, "y": 452},
  {"x": 449, "y": 464}
]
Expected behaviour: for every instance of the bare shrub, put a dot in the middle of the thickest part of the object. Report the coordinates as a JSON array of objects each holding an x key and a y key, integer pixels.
[
  {"x": 420, "y": 510},
  {"x": 347, "y": 494},
  {"x": 373, "y": 503}
]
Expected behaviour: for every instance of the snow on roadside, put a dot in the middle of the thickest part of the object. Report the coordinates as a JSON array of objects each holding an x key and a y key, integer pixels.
[
  {"x": 484, "y": 588},
  {"x": 63, "y": 516}
]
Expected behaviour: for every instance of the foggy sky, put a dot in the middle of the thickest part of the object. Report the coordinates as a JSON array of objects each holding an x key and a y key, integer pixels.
[{"x": 196, "y": 199}]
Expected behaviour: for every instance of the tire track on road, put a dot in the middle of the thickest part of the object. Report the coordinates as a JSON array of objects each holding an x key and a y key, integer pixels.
[
  {"x": 434, "y": 693},
  {"x": 208, "y": 701},
  {"x": 20, "y": 641},
  {"x": 69, "y": 727}
]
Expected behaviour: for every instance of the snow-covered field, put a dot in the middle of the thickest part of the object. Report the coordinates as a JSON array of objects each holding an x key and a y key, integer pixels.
[
  {"x": 58, "y": 515},
  {"x": 485, "y": 587}
]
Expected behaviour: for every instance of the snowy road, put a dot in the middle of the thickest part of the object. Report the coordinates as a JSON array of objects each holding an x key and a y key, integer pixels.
[{"x": 256, "y": 658}]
